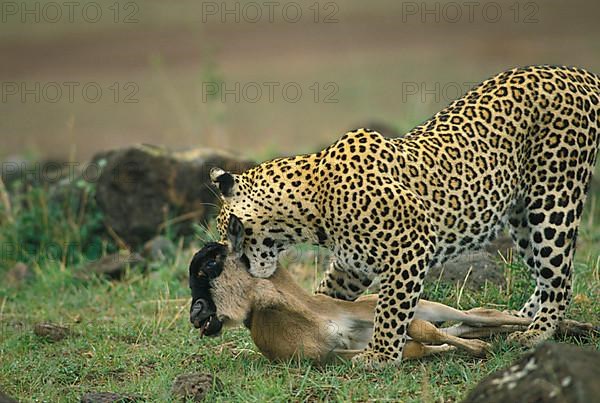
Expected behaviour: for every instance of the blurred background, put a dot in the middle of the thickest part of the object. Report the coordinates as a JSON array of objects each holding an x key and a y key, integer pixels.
[
  {"x": 260, "y": 78},
  {"x": 97, "y": 231}
]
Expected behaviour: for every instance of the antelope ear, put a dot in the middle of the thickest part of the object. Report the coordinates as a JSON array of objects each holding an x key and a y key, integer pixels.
[
  {"x": 224, "y": 181},
  {"x": 235, "y": 235}
]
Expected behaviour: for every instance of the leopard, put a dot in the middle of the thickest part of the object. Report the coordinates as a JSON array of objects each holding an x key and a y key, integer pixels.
[
  {"x": 517, "y": 150},
  {"x": 286, "y": 322}
]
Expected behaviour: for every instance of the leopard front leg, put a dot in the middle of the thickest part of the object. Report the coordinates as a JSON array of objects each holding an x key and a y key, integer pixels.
[
  {"x": 553, "y": 240},
  {"x": 342, "y": 282},
  {"x": 399, "y": 294},
  {"x": 401, "y": 278}
]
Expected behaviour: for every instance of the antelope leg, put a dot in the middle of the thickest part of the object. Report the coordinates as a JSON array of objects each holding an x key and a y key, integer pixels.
[
  {"x": 412, "y": 350},
  {"x": 493, "y": 317},
  {"x": 436, "y": 312},
  {"x": 475, "y": 332},
  {"x": 480, "y": 317},
  {"x": 426, "y": 332},
  {"x": 570, "y": 327},
  {"x": 566, "y": 327}
]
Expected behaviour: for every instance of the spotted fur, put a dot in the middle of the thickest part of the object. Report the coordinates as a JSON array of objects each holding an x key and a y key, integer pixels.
[{"x": 519, "y": 149}]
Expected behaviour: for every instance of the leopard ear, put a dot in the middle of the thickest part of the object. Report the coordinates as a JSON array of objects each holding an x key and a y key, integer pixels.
[
  {"x": 224, "y": 181},
  {"x": 235, "y": 234}
]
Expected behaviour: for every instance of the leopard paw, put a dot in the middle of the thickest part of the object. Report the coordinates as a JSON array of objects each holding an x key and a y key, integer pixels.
[
  {"x": 529, "y": 338},
  {"x": 370, "y": 360}
]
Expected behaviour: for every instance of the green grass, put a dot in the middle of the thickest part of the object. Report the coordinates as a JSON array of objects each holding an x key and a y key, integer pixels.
[{"x": 133, "y": 336}]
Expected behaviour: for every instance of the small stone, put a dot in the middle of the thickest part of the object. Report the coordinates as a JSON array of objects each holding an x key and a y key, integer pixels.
[
  {"x": 383, "y": 128},
  {"x": 4, "y": 398},
  {"x": 17, "y": 274},
  {"x": 483, "y": 268},
  {"x": 501, "y": 245},
  {"x": 159, "y": 249},
  {"x": 194, "y": 386},
  {"x": 51, "y": 331},
  {"x": 114, "y": 265}
]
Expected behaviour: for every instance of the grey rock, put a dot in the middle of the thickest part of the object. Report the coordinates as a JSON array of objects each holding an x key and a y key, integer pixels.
[
  {"x": 50, "y": 331},
  {"x": 13, "y": 168},
  {"x": 4, "y": 398},
  {"x": 383, "y": 128},
  {"x": 142, "y": 189},
  {"x": 484, "y": 266},
  {"x": 552, "y": 373},
  {"x": 194, "y": 387},
  {"x": 159, "y": 249},
  {"x": 20, "y": 173},
  {"x": 503, "y": 244},
  {"x": 17, "y": 274},
  {"x": 113, "y": 265},
  {"x": 480, "y": 266}
]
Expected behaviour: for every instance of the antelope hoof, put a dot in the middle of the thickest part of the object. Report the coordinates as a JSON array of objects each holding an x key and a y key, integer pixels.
[{"x": 478, "y": 348}]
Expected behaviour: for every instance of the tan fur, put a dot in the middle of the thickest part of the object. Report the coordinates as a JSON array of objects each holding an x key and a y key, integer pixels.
[{"x": 285, "y": 321}]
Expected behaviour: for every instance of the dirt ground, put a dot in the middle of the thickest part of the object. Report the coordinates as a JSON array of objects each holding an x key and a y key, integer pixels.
[{"x": 387, "y": 62}]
